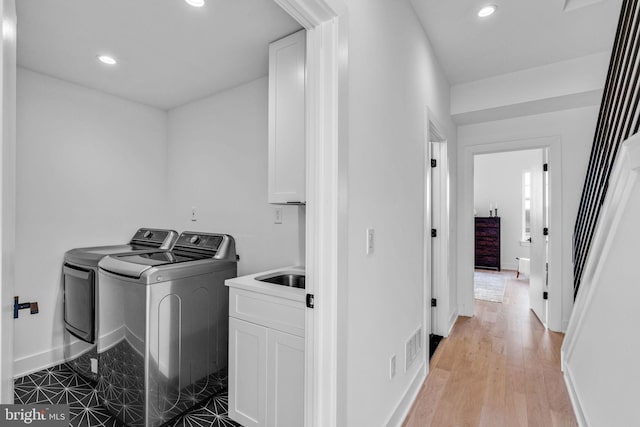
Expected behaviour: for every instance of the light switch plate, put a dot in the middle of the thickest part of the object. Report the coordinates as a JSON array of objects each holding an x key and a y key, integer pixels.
[{"x": 370, "y": 240}]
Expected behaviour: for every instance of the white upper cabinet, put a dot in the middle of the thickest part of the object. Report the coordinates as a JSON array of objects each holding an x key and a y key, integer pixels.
[{"x": 287, "y": 119}]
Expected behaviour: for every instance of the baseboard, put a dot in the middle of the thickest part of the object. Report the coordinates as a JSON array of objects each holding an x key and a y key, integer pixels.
[
  {"x": 452, "y": 322},
  {"x": 49, "y": 358},
  {"x": 37, "y": 362},
  {"x": 403, "y": 408},
  {"x": 575, "y": 399},
  {"x": 508, "y": 266}
]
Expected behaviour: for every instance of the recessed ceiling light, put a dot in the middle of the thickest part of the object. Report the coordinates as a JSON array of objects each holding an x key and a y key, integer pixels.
[
  {"x": 106, "y": 59},
  {"x": 487, "y": 10},
  {"x": 195, "y": 3}
]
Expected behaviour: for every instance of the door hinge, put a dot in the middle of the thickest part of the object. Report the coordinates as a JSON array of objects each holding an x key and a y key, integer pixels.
[
  {"x": 434, "y": 232},
  {"x": 310, "y": 301},
  {"x": 434, "y": 163},
  {"x": 434, "y": 302},
  {"x": 545, "y": 295},
  {"x": 545, "y": 231},
  {"x": 545, "y": 167}
]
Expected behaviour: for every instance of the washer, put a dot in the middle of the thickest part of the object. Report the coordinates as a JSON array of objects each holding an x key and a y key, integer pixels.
[
  {"x": 163, "y": 340},
  {"x": 80, "y": 284}
]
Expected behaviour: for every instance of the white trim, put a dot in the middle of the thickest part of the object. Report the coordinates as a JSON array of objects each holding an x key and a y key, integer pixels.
[
  {"x": 8, "y": 194},
  {"x": 326, "y": 115},
  {"x": 426, "y": 241},
  {"x": 312, "y": 13},
  {"x": 623, "y": 178},
  {"x": 451, "y": 322},
  {"x": 575, "y": 399},
  {"x": 465, "y": 222},
  {"x": 404, "y": 406},
  {"x": 441, "y": 267},
  {"x": 46, "y": 359}
]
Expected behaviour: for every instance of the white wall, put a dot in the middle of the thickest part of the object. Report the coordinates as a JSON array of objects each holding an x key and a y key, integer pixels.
[
  {"x": 563, "y": 85},
  {"x": 218, "y": 164},
  {"x": 393, "y": 77},
  {"x": 498, "y": 180},
  {"x": 91, "y": 170},
  {"x": 572, "y": 132}
]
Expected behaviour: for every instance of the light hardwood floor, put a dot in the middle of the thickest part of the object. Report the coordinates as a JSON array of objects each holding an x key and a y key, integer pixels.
[{"x": 498, "y": 368}]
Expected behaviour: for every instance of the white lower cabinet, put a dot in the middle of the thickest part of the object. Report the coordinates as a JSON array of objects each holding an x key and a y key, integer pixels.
[
  {"x": 266, "y": 376},
  {"x": 285, "y": 379},
  {"x": 247, "y": 373}
]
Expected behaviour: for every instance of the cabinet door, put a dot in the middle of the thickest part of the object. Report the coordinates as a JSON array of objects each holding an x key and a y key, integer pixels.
[
  {"x": 287, "y": 119},
  {"x": 285, "y": 381},
  {"x": 247, "y": 373}
]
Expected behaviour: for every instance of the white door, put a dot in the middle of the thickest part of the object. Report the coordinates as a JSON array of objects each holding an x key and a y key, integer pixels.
[
  {"x": 247, "y": 373},
  {"x": 435, "y": 225},
  {"x": 7, "y": 193},
  {"x": 439, "y": 204},
  {"x": 537, "y": 278},
  {"x": 285, "y": 379}
]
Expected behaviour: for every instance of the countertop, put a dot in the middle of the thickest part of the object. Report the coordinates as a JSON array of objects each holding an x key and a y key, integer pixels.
[{"x": 250, "y": 283}]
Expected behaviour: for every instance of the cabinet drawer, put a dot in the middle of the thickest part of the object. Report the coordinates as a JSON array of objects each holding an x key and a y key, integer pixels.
[
  {"x": 272, "y": 312},
  {"x": 487, "y": 262},
  {"x": 487, "y": 233},
  {"x": 487, "y": 243}
]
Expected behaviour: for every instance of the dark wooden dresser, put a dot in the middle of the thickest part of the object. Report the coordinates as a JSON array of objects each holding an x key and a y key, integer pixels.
[{"x": 487, "y": 242}]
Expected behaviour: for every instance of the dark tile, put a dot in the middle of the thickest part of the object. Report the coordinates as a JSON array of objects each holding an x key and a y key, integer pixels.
[{"x": 61, "y": 385}]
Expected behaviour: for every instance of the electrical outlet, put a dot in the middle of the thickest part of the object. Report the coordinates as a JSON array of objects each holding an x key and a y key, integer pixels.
[{"x": 392, "y": 367}]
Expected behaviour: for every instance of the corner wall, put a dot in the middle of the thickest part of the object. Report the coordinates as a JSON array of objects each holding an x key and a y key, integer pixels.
[
  {"x": 90, "y": 171},
  {"x": 217, "y": 150},
  {"x": 393, "y": 77}
]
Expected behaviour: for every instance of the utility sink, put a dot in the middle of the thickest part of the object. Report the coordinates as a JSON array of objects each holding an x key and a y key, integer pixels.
[{"x": 294, "y": 280}]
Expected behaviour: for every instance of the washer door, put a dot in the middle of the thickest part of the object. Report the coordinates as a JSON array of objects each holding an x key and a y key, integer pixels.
[{"x": 79, "y": 301}]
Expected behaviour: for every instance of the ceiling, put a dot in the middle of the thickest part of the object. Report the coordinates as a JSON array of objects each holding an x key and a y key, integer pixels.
[
  {"x": 520, "y": 35},
  {"x": 169, "y": 53}
]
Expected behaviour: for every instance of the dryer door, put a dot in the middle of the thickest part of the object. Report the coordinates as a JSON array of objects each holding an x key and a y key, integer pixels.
[{"x": 79, "y": 301}]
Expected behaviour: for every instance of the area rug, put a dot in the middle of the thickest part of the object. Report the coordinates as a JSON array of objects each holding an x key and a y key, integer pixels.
[{"x": 488, "y": 286}]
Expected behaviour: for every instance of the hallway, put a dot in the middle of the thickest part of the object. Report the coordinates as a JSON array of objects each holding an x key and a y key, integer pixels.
[{"x": 499, "y": 368}]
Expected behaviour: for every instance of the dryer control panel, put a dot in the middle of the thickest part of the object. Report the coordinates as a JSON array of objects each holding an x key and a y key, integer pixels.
[{"x": 219, "y": 246}]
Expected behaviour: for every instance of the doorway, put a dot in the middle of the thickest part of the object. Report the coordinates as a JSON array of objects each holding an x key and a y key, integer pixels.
[
  {"x": 437, "y": 218},
  {"x": 510, "y": 206}
]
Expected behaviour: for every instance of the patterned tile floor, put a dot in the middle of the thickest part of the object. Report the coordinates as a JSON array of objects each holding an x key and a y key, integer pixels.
[{"x": 60, "y": 385}]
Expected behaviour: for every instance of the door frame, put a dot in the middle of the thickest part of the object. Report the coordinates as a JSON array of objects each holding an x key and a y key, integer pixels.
[
  {"x": 440, "y": 246},
  {"x": 326, "y": 113},
  {"x": 326, "y": 214},
  {"x": 466, "y": 223},
  {"x": 441, "y": 270},
  {"x": 8, "y": 68}
]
